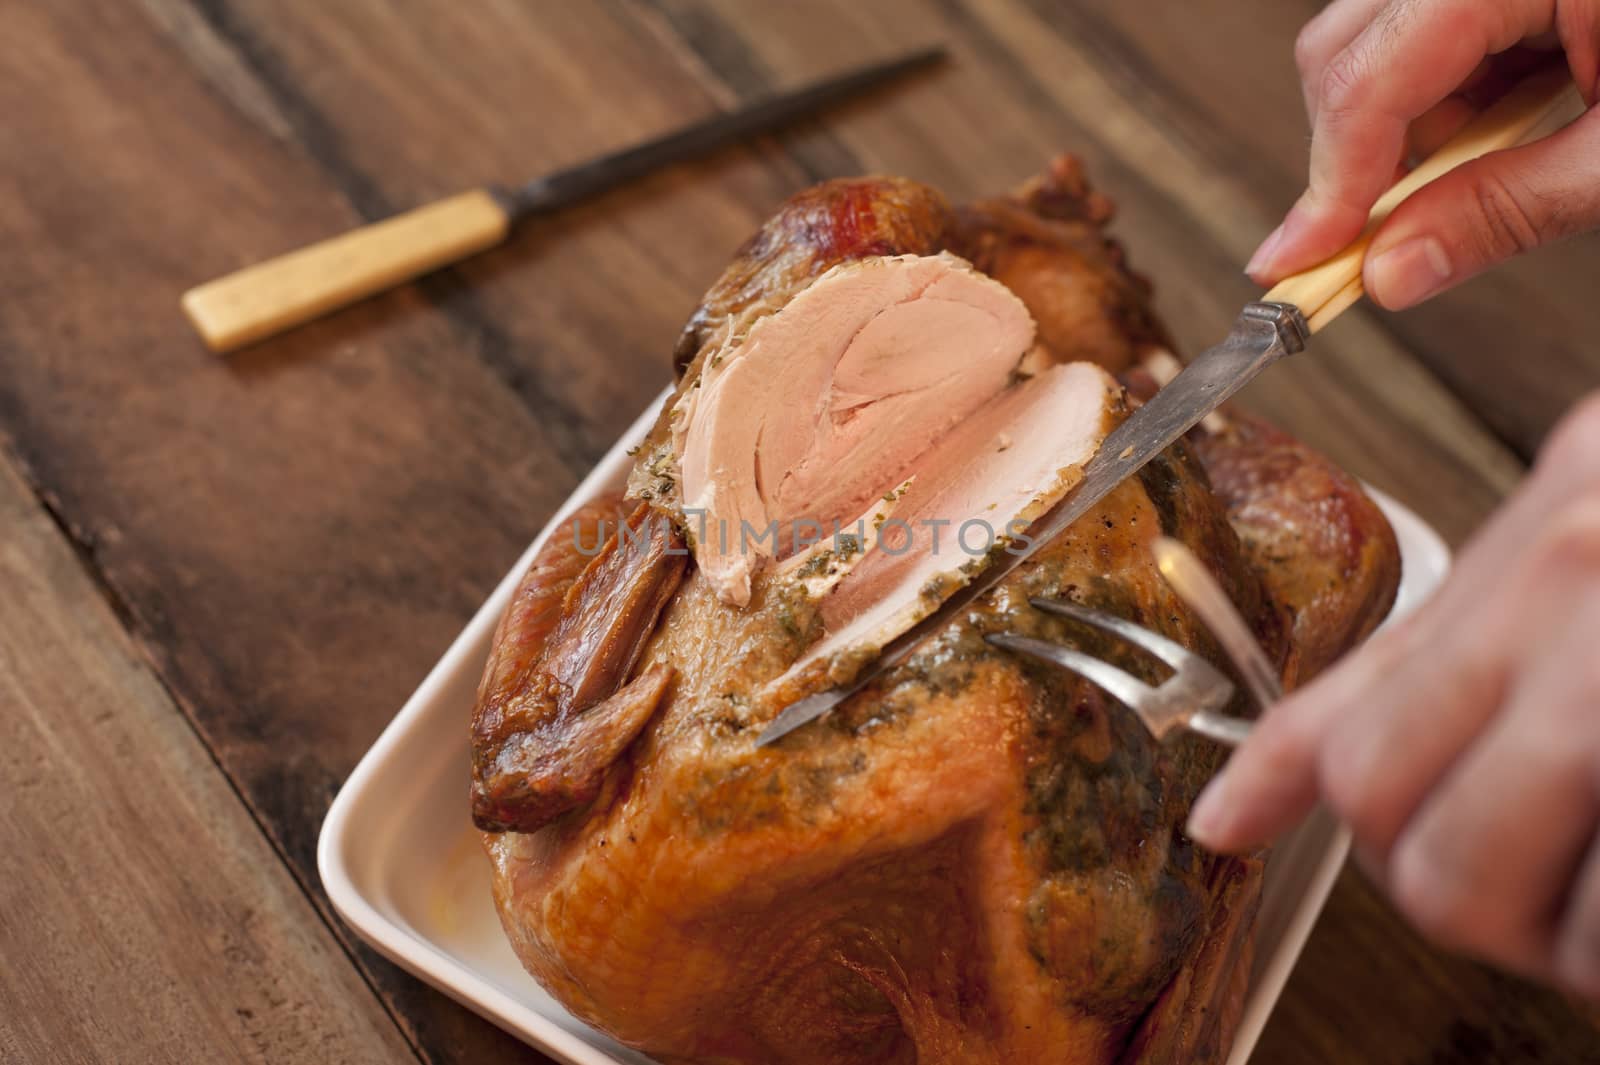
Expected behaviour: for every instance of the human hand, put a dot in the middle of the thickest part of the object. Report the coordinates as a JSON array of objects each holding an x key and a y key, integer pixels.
[
  {"x": 1388, "y": 80},
  {"x": 1462, "y": 746}
]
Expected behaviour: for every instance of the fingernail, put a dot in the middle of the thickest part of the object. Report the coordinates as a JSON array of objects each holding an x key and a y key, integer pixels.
[
  {"x": 1408, "y": 273},
  {"x": 1208, "y": 813},
  {"x": 1256, "y": 269}
]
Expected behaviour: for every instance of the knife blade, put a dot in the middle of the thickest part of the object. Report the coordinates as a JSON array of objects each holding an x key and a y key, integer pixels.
[
  {"x": 566, "y": 187},
  {"x": 1263, "y": 333},
  {"x": 1276, "y": 325}
]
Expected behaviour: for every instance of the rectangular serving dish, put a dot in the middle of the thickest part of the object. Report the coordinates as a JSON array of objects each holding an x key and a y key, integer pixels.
[{"x": 401, "y": 862}]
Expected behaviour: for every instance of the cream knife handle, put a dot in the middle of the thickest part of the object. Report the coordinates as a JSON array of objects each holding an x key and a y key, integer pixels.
[
  {"x": 262, "y": 300},
  {"x": 1327, "y": 289}
]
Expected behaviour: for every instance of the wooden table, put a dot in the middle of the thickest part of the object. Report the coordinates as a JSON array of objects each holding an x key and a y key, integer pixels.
[{"x": 220, "y": 578}]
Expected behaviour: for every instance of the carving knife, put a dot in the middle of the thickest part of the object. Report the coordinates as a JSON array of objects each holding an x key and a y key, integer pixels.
[
  {"x": 263, "y": 300},
  {"x": 1277, "y": 325}
]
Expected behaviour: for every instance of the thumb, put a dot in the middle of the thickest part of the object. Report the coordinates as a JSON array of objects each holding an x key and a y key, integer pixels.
[{"x": 1486, "y": 211}]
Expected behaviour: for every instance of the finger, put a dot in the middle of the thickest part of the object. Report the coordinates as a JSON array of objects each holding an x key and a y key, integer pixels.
[
  {"x": 1274, "y": 779},
  {"x": 1486, "y": 211},
  {"x": 1568, "y": 468},
  {"x": 1394, "y": 71},
  {"x": 1456, "y": 661},
  {"x": 1577, "y": 948},
  {"x": 1578, "y": 32},
  {"x": 1377, "y": 732},
  {"x": 1491, "y": 79},
  {"x": 1268, "y": 786},
  {"x": 1435, "y": 126},
  {"x": 1324, "y": 37},
  {"x": 1272, "y": 782},
  {"x": 1398, "y": 738},
  {"x": 1501, "y": 73},
  {"x": 1486, "y": 862},
  {"x": 1371, "y": 738}
]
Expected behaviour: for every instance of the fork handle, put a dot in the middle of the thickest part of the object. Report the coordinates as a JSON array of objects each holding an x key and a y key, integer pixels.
[
  {"x": 1326, "y": 290},
  {"x": 1231, "y": 731}
]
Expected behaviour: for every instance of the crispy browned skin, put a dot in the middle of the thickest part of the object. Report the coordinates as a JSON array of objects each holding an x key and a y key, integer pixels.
[
  {"x": 1047, "y": 243},
  {"x": 1322, "y": 546},
  {"x": 835, "y": 222},
  {"x": 553, "y": 710},
  {"x": 976, "y": 861},
  {"x": 535, "y": 607},
  {"x": 1195, "y": 1017},
  {"x": 979, "y": 862}
]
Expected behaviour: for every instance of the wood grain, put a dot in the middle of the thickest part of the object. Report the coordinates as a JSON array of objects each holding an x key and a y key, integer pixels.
[
  {"x": 223, "y": 503},
  {"x": 293, "y": 536},
  {"x": 142, "y": 915}
]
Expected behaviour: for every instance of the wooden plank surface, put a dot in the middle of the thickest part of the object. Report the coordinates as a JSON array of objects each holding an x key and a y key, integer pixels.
[
  {"x": 295, "y": 534},
  {"x": 298, "y": 533},
  {"x": 142, "y": 915}
]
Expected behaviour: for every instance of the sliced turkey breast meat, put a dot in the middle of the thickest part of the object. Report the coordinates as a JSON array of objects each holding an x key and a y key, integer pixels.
[
  {"x": 828, "y": 403},
  {"x": 899, "y": 377},
  {"x": 976, "y": 491}
]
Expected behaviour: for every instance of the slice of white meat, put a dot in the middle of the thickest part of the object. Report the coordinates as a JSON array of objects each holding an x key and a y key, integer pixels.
[
  {"x": 975, "y": 491},
  {"x": 819, "y": 568},
  {"x": 826, "y": 404}
]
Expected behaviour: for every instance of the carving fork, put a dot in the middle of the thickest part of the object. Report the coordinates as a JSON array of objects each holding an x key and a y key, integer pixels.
[{"x": 1195, "y": 694}]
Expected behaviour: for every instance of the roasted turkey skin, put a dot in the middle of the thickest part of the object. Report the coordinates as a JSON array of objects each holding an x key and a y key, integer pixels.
[
  {"x": 836, "y": 222},
  {"x": 976, "y": 860}
]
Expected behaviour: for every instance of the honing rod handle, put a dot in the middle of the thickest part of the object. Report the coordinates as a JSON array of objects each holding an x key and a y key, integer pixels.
[
  {"x": 258, "y": 301},
  {"x": 1326, "y": 290}
]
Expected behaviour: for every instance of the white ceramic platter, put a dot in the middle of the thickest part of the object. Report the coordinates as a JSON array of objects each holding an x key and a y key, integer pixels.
[{"x": 401, "y": 862}]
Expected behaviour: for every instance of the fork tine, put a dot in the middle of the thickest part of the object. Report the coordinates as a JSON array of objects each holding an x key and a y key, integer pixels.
[
  {"x": 1195, "y": 585},
  {"x": 1173, "y": 654},
  {"x": 1130, "y": 690}
]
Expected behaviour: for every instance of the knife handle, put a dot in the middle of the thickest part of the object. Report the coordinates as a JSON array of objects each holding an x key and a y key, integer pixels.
[
  {"x": 1326, "y": 290},
  {"x": 263, "y": 300}
]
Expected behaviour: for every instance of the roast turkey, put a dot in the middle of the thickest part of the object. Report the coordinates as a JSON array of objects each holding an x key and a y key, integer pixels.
[{"x": 976, "y": 859}]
